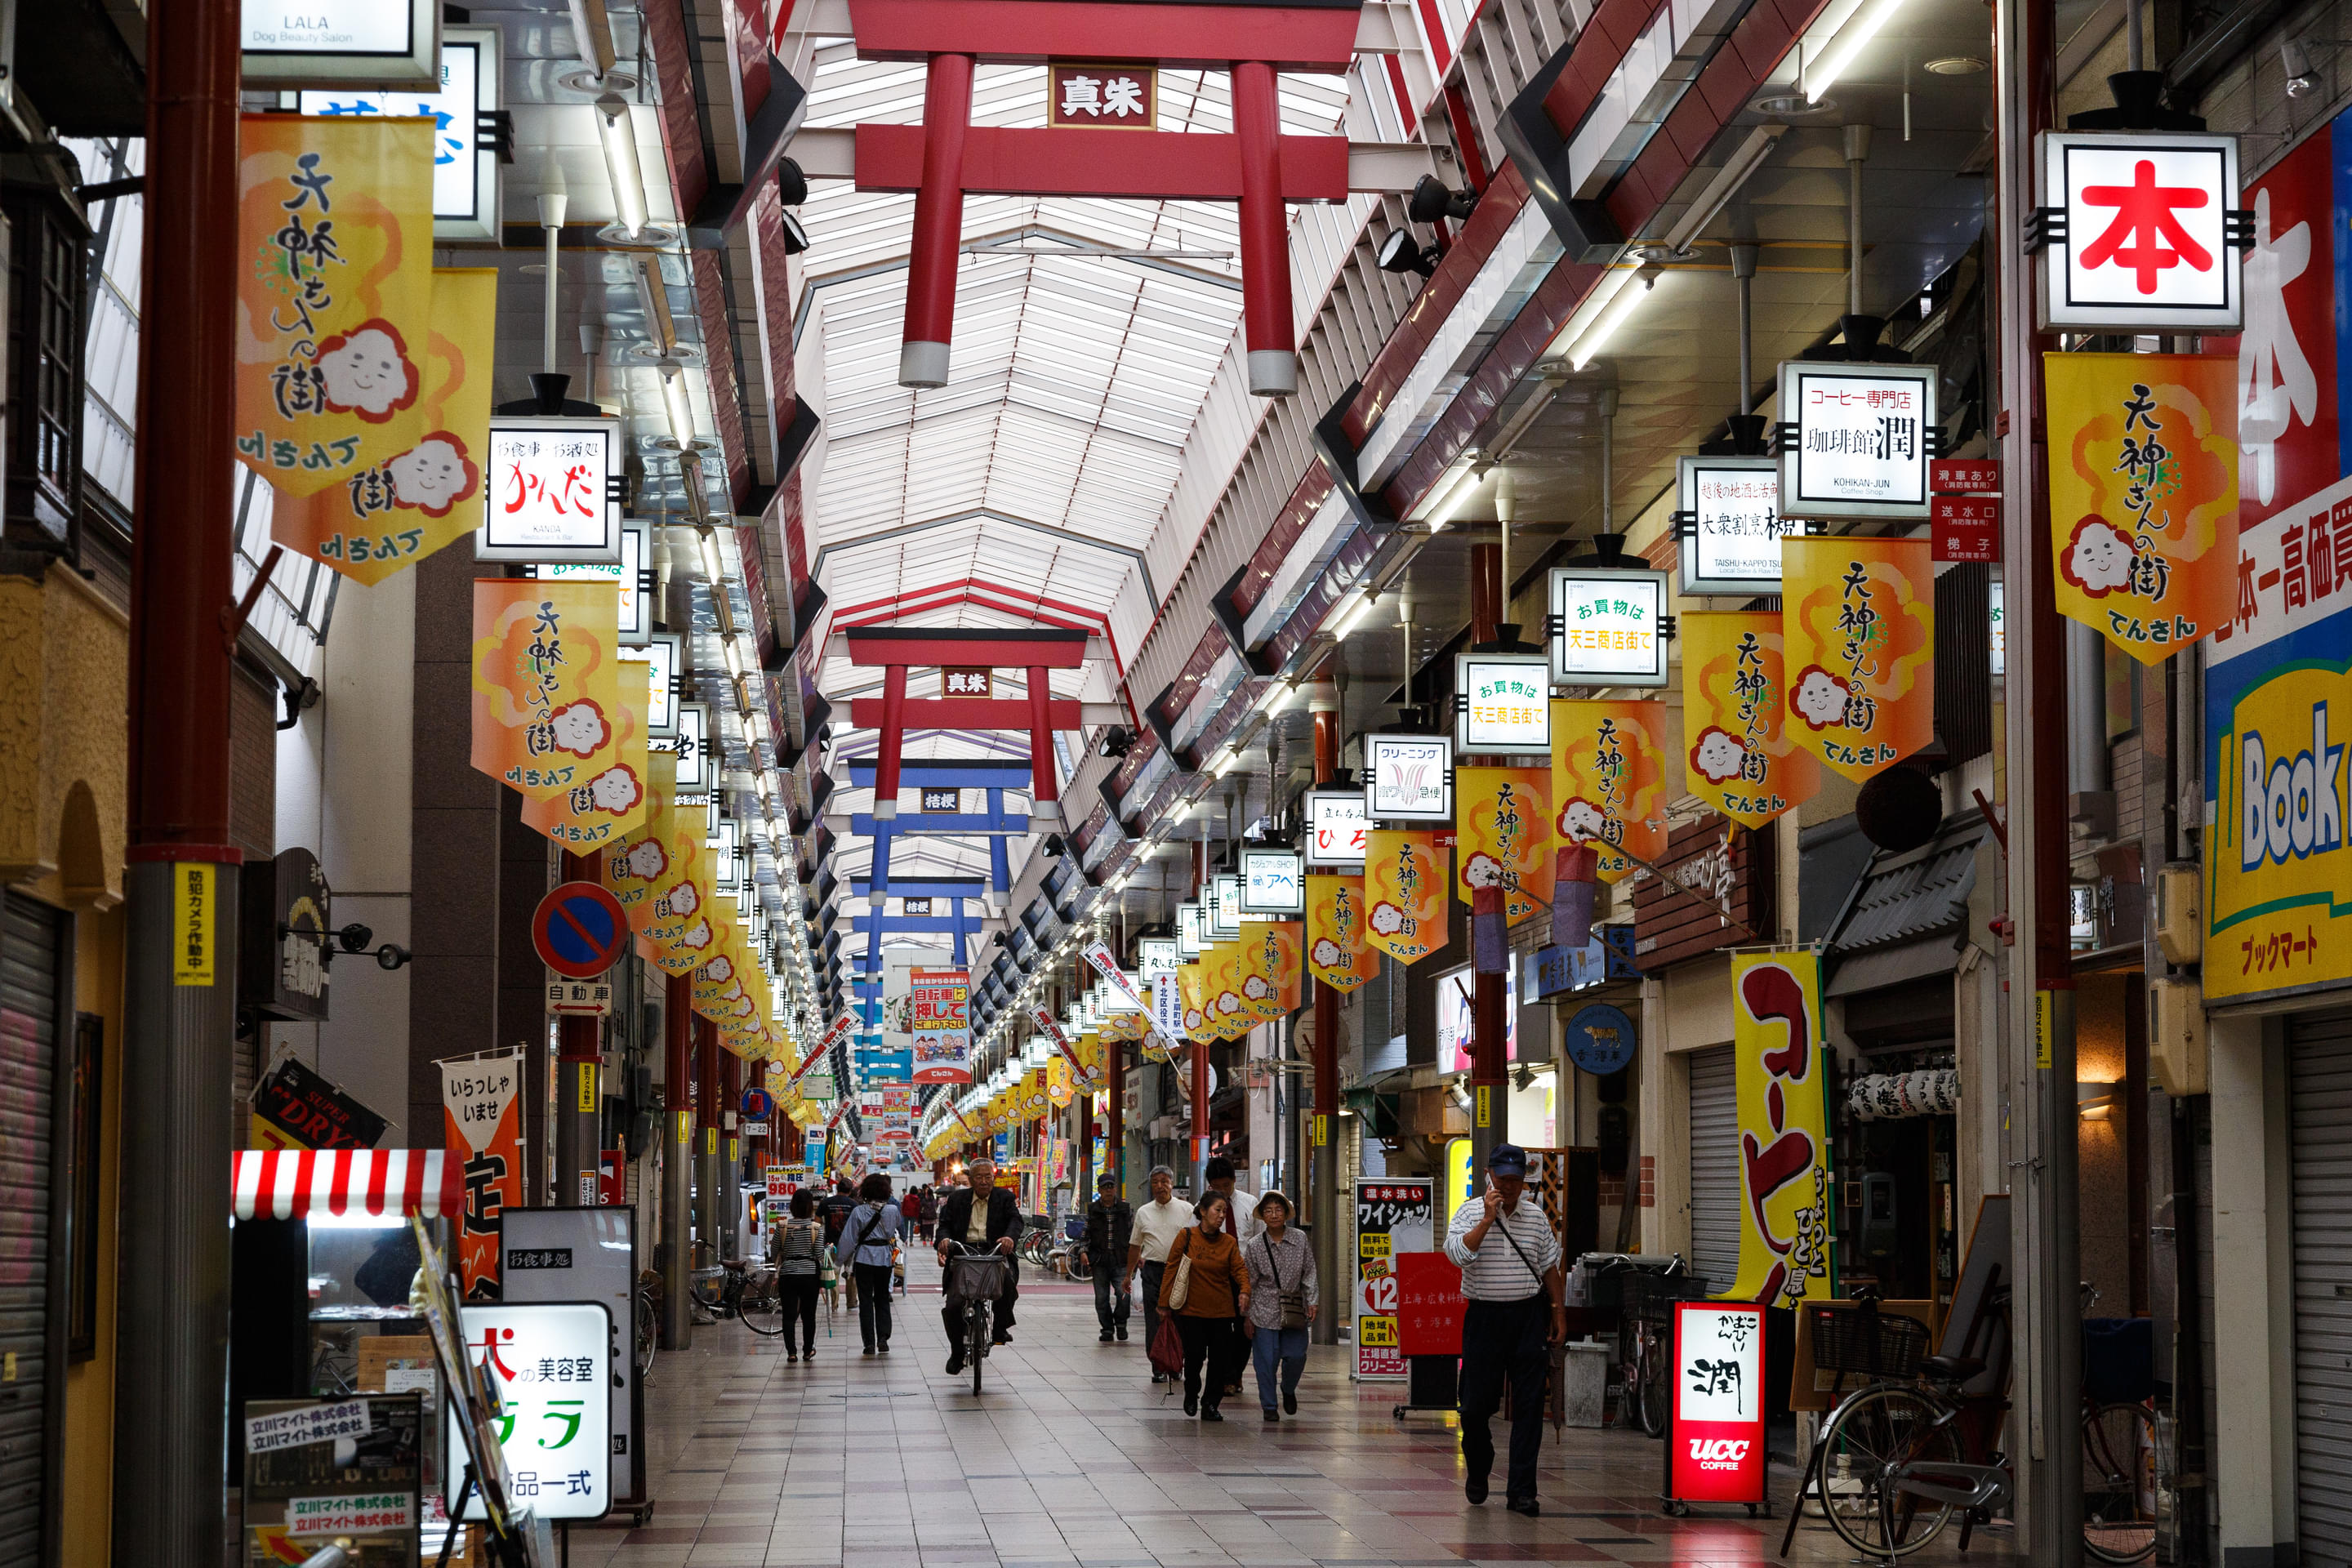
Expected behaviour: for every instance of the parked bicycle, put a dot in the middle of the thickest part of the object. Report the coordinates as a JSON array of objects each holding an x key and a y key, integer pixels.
[
  {"x": 1646, "y": 1319},
  {"x": 744, "y": 1291},
  {"x": 648, "y": 1308},
  {"x": 979, "y": 1276}
]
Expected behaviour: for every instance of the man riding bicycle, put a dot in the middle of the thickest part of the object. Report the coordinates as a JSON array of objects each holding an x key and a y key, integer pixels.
[{"x": 981, "y": 1217}]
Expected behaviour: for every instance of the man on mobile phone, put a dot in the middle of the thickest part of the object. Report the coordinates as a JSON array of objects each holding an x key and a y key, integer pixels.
[{"x": 1516, "y": 1308}]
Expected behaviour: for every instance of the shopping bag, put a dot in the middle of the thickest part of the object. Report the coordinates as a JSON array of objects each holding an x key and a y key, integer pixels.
[{"x": 1167, "y": 1348}]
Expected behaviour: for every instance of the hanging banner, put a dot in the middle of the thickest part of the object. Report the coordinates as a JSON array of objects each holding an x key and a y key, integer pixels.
[
  {"x": 546, "y": 682},
  {"x": 1222, "y": 996},
  {"x": 1405, "y": 892},
  {"x": 679, "y": 928},
  {"x": 1270, "y": 972},
  {"x": 2144, "y": 495},
  {"x": 1503, "y": 819},
  {"x": 334, "y": 294},
  {"x": 610, "y": 798},
  {"x": 1055, "y": 1036},
  {"x": 389, "y": 517},
  {"x": 1193, "y": 990},
  {"x": 1339, "y": 952},
  {"x": 942, "y": 1024},
  {"x": 634, "y": 864},
  {"x": 1858, "y": 620},
  {"x": 1609, "y": 780},
  {"x": 1739, "y": 759},
  {"x": 1785, "y": 1182},
  {"x": 479, "y": 1100}
]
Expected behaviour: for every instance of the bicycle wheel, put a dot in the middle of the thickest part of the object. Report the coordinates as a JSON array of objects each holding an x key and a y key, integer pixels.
[
  {"x": 761, "y": 1305},
  {"x": 1872, "y": 1431},
  {"x": 1656, "y": 1389},
  {"x": 1629, "y": 1376},
  {"x": 649, "y": 1327},
  {"x": 976, "y": 1320},
  {"x": 1081, "y": 1266},
  {"x": 2118, "y": 1483}
]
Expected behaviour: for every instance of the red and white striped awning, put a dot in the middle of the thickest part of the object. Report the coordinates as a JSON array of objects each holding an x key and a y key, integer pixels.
[{"x": 287, "y": 1183}]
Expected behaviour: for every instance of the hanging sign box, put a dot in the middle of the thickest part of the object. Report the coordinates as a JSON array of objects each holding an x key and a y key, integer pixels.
[
  {"x": 1728, "y": 515},
  {"x": 1606, "y": 627},
  {"x": 464, "y": 171},
  {"x": 553, "y": 494},
  {"x": 2138, "y": 232},
  {"x": 1336, "y": 825},
  {"x": 1502, "y": 702},
  {"x": 1856, "y": 439},
  {"x": 1968, "y": 528},
  {"x": 337, "y": 43},
  {"x": 1409, "y": 778}
]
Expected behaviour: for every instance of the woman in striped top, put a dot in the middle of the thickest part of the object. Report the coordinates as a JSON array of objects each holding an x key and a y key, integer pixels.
[{"x": 798, "y": 1248}]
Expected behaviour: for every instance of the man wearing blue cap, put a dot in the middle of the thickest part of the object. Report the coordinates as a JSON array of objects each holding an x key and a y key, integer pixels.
[{"x": 1510, "y": 1261}]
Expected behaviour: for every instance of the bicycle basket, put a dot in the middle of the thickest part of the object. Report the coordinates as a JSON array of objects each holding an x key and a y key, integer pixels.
[
  {"x": 1862, "y": 1340},
  {"x": 978, "y": 1276},
  {"x": 1649, "y": 1297}
]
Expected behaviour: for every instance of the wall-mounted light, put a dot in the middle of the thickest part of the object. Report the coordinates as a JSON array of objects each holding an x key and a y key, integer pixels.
[{"x": 2093, "y": 1101}]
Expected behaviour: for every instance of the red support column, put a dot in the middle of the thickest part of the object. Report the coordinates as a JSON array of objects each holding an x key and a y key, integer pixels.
[
  {"x": 893, "y": 741},
  {"x": 938, "y": 224},
  {"x": 1323, "y": 1195},
  {"x": 1044, "y": 778},
  {"x": 1271, "y": 338},
  {"x": 579, "y": 1052},
  {"x": 1490, "y": 1030}
]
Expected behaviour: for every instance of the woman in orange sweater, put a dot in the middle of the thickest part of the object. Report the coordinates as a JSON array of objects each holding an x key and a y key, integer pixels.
[{"x": 1216, "y": 1295}]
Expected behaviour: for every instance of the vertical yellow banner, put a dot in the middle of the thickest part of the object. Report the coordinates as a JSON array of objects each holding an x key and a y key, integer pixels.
[
  {"x": 1269, "y": 968},
  {"x": 546, "y": 682},
  {"x": 1738, "y": 758},
  {"x": 2144, "y": 495},
  {"x": 1785, "y": 1182},
  {"x": 1503, "y": 836},
  {"x": 1405, "y": 888},
  {"x": 634, "y": 863},
  {"x": 610, "y": 799},
  {"x": 334, "y": 294},
  {"x": 1858, "y": 616},
  {"x": 1339, "y": 953},
  {"x": 1193, "y": 990},
  {"x": 1609, "y": 780}
]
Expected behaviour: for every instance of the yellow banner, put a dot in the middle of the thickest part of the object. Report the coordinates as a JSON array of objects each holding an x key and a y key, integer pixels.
[
  {"x": 1785, "y": 1182},
  {"x": 1609, "y": 780},
  {"x": 1061, "y": 1083},
  {"x": 1739, "y": 759},
  {"x": 546, "y": 683},
  {"x": 612, "y": 799},
  {"x": 1221, "y": 962},
  {"x": 634, "y": 863},
  {"x": 681, "y": 932},
  {"x": 1405, "y": 892},
  {"x": 1193, "y": 990},
  {"x": 334, "y": 294},
  {"x": 2144, "y": 495},
  {"x": 1270, "y": 968},
  {"x": 1503, "y": 836},
  {"x": 1337, "y": 950},
  {"x": 1859, "y": 617},
  {"x": 382, "y": 518}
]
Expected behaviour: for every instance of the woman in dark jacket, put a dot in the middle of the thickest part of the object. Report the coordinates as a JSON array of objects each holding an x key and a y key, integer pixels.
[{"x": 1216, "y": 1295}]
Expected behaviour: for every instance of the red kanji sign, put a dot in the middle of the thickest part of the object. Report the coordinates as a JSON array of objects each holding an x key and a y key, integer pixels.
[
  {"x": 1429, "y": 1304},
  {"x": 2140, "y": 229},
  {"x": 1964, "y": 476},
  {"x": 1968, "y": 528}
]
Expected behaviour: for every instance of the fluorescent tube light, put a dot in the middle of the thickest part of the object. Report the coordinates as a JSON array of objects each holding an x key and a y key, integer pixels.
[
  {"x": 1748, "y": 158},
  {"x": 1822, "y": 71},
  {"x": 619, "y": 131},
  {"x": 1595, "y": 337}
]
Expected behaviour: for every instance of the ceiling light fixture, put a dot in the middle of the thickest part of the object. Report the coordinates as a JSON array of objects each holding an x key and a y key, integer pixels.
[
  {"x": 1356, "y": 617},
  {"x": 1603, "y": 326},
  {"x": 1823, "y": 68},
  {"x": 619, "y": 131}
]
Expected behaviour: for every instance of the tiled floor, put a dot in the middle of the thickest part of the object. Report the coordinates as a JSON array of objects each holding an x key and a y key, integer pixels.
[{"x": 1071, "y": 1457}]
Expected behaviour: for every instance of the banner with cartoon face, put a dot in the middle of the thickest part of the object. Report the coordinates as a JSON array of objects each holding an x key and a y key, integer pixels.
[
  {"x": 1738, "y": 756},
  {"x": 1504, "y": 836},
  {"x": 1405, "y": 889},
  {"x": 1268, "y": 969},
  {"x": 1339, "y": 952},
  {"x": 613, "y": 800},
  {"x": 1858, "y": 625},
  {"x": 546, "y": 679},
  {"x": 1608, "y": 781}
]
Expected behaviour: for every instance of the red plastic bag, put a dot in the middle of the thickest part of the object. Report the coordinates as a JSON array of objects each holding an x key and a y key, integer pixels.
[{"x": 1167, "y": 1348}]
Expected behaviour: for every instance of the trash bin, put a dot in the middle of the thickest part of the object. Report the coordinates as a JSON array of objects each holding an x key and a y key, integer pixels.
[{"x": 1584, "y": 1382}]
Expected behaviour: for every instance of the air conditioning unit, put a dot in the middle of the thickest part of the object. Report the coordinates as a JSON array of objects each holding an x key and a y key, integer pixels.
[
  {"x": 2180, "y": 914},
  {"x": 2178, "y": 1056}
]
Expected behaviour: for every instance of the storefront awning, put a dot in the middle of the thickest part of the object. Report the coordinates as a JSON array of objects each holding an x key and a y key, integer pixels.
[
  {"x": 275, "y": 1184},
  {"x": 1909, "y": 914}
]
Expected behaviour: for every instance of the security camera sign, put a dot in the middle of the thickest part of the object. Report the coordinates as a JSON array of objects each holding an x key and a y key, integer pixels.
[{"x": 1716, "y": 1442}]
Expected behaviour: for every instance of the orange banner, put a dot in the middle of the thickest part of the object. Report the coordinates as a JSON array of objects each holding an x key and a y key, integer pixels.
[
  {"x": 680, "y": 930},
  {"x": 1739, "y": 759},
  {"x": 1229, "y": 1017},
  {"x": 2144, "y": 495},
  {"x": 1338, "y": 951},
  {"x": 634, "y": 864},
  {"x": 1192, "y": 989},
  {"x": 1269, "y": 968},
  {"x": 546, "y": 682},
  {"x": 1503, "y": 836},
  {"x": 383, "y": 519},
  {"x": 481, "y": 1123},
  {"x": 334, "y": 294},
  {"x": 1405, "y": 889},
  {"x": 1609, "y": 780},
  {"x": 612, "y": 798},
  {"x": 1858, "y": 616}
]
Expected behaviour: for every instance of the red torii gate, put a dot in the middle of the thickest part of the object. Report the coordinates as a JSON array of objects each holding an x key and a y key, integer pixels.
[{"x": 1256, "y": 165}]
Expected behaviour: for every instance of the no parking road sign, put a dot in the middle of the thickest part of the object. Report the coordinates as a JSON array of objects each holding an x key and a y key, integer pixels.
[{"x": 580, "y": 931}]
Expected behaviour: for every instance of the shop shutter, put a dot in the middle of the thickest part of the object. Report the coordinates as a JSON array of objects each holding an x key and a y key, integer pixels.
[
  {"x": 31, "y": 980},
  {"x": 2319, "y": 1052},
  {"x": 1715, "y": 1166}
]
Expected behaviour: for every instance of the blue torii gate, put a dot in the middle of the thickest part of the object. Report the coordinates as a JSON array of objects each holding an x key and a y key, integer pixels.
[{"x": 994, "y": 775}]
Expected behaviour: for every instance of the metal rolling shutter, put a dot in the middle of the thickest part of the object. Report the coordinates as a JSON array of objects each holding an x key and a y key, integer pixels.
[
  {"x": 2319, "y": 1054},
  {"x": 1715, "y": 1166},
  {"x": 32, "y": 971}
]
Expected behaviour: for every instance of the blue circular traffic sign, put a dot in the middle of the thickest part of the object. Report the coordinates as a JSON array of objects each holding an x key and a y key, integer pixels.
[
  {"x": 1601, "y": 1038},
  {"x": 580, "y": 931},
  {"x": 757, "y": 1104}
]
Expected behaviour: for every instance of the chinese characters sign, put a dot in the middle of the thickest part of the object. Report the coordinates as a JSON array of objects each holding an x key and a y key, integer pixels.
[
  {"x": 1857, "y": 439},
  {"x": 1606, "y": 629},
  {"x": 610, "y": 799},
  {"x": 1409, "y": 778},
  {"x": 1503, "y": 703},
  {"x": 1337, "y": 951},
  {"x": 1732, "y": 507},
  {"x": 1124, "y": 96},
  {"x": 550, "y": 492},
  {"x": 1405, "y": 893},
  {"x": 334, "y": 295},
  {"x": 2140, "y": 232},
  {"x": 552, "y": 1363},
  {"x": 1784, "y": 1157},
  {"x": 1392, "y": 1217},
  {"x": 962, "y": 680},
  {"x": 479, "y": 1100},
  {"x": 2144, "y": 495},
  {"x": 940, "y": 1005},
  {"x": 1504, "y": 839},
  {"x": 1739, "y": 760},
  {"x": 1336, "y": 825},
  {"x": 1273, "y": 882},
  {"x": 1718, "y": 1431},
  {"x": 1858, "y": 624},
  {"x": 1607, "y": 780}
]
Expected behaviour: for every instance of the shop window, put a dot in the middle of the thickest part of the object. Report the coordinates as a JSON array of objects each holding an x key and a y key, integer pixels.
[{"x": 48, "y": 274}]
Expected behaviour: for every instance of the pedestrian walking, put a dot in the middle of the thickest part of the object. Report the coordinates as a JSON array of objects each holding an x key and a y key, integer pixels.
[
  {"x": 1240, "y": 1220},
  {"x": 1157, "y": 1224},
  {"x": 1110, "y": 1224},
  {"x": 1283, "y": 1291},
  {"x": 1207, "y": 1288},
  {"x": 798, "y": 1248},
  {"x": 868, "y": 1237},
  {"x": 835, "y": 1211},
  {"x": 1510, "y": 1267},
  {"x": 929, "y": 1214}
]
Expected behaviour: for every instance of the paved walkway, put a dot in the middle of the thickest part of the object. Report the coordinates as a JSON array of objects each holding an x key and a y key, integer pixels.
[{"x": 1071, "y": 1457}]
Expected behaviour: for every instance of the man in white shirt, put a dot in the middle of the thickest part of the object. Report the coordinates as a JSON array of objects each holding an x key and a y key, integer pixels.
[
  {"x": 1158, "y": 1223},
  {"x": 1510, "y": 1263}
]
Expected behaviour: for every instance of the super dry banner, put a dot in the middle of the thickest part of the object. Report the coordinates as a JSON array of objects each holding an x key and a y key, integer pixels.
[
  {"x": 1609, "y": 780},
  {"x": 1502, "y": 817},
  {"x": 1737, "y": 756},
  {"x": 390, "y": 516},
  {"x": 334, "y": 294},
  {"x": 547, "y": 691},
  {"x": 2144, "y": 495},
  {"x": 1405, "y": 889},
  {"x": 1785, "y": 1182},
  {"x": 612, "y": 801},
  {"x": 1858, "y": 616},
  {"x": 480, "y": 1101},
  {"x": 1337, "y": 951}
]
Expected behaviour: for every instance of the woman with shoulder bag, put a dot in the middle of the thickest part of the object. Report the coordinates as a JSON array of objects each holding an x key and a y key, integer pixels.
[
  {"x": 798, "y": 1249},
  {"x": 1208, "y": 1290},
  {"x": 1282, "y": 1296},
  {"x": 870, "y": 1235}
]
